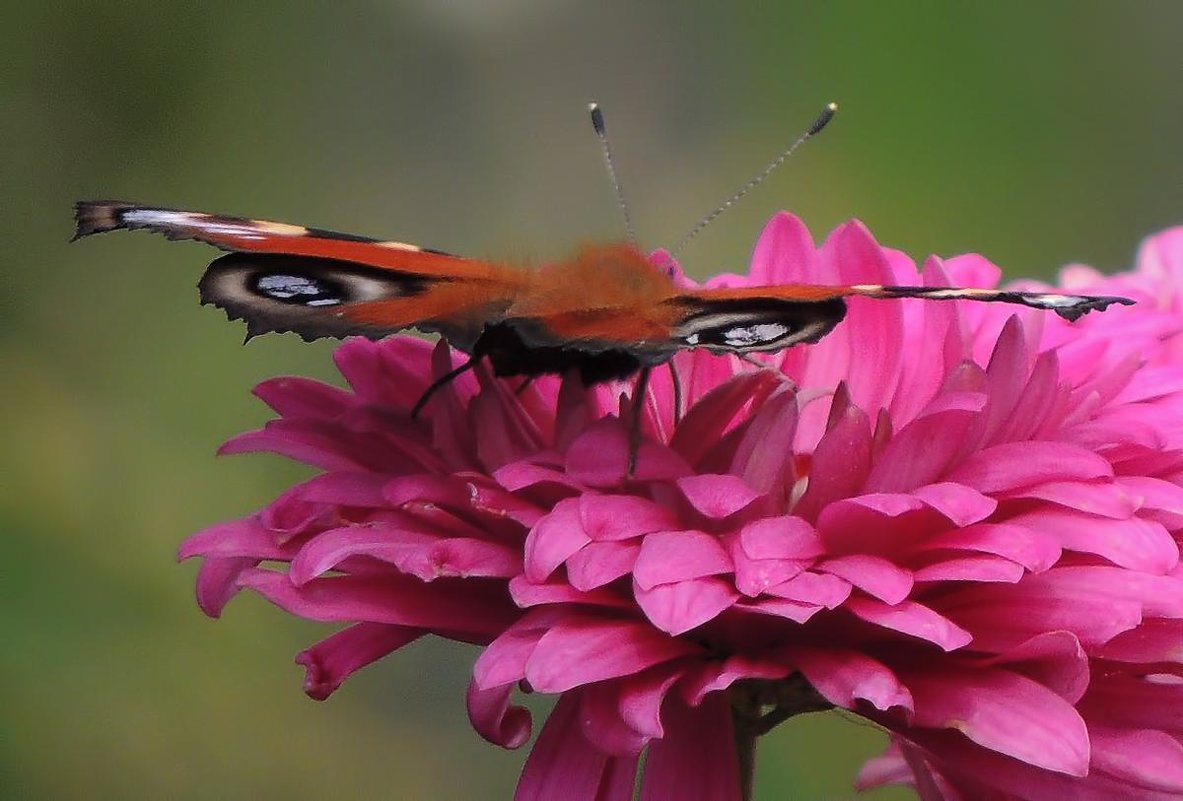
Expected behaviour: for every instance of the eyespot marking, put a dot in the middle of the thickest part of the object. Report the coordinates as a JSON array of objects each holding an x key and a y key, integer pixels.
[{"x": 301, "y": 290}]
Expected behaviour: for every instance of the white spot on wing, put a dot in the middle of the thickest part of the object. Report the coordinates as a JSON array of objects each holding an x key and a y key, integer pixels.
[
  {"x": 745, "y": 336},
  {"x": 220, "y": 226},
  {"x": 1060, "y": 301}
]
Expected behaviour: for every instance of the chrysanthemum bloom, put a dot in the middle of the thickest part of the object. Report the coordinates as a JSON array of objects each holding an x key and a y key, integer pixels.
[{"x": 958, "y": 520}]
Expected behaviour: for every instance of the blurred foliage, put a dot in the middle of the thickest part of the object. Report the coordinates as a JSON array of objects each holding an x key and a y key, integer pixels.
[{"x": 1037, "y": 134}]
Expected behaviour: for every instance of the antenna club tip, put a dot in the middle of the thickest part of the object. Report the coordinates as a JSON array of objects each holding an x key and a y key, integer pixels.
[
  {"x": 822, "y": 120},
  {"x": 597, "y": 117}
]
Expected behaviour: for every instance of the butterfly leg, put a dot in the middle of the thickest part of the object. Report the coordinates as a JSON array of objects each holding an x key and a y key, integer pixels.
[
  {"x": 522, "y": 387},
  {"x": 442, "y": 382},
  {"x": 634, "y": 432},
  {"x": 674, "y": 378}
]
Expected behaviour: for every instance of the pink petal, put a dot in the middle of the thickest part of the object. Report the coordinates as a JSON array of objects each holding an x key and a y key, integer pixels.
[
  {"x": 796, "y": 611},
  {"x": 523, "y": 475},
  {"x": 912, "y": 618},
  {"x": 582, "y": 650},
  {"x": 784, "y": 252},
  {"x": 504, "y": 661},
  {"x": 922, "y": 452},
  {"x": 292, "y": 514},
  {"x": 960, "y": 504},
  {"x": 871, "y": 328},
  {"x": 642, "y": 696},
  {"x": 707, "y": 677},
  {"x": 1055, "y": 660},
  {"x": 1135, "y": 544},
  {"x": 1004, "y": 712},
  {"x": 496, "y": 502},
  {"x": 1027, "y": 546},
  {"x": 346, "y": 489},
  {"x": 434, "y": 489},
  {"x": 236, "y": 538},
  {"x": 448, "y": 605},
  {"x": 671, "y": 556},
  {"x": 620, "y": 517},
  {"x": 1021, "y": 464},
  {"x": 602, "y": 724},
  {"x": 599, "y": 457},
  {"x": 889, "y": 768},
  {"x": 870, "y": 523},
  {"x": 1006, "y": 375},
  {"x": 771, "y": 551},
  {"x": 493, "y": 718},
  {"x": 717, "y": 496},
  {"x": 412, "y": 552},
  {"x": 988, "y": 772},
  {"x": 293, "y": 396},
  {"x": 696, "y": 759},
  {"x": 328, "y": 663},
  {"x": 706, "y": 420},
  {"x": 1094, "y": 603},
  {"x": 554, "y": 539},
  {"x": 820, "y": 589},
  {"x": 764, "y": 457},
  {"x": 218, "y": 580},
  {"x": 1160, "y": 501},
  {"x": 1134, "y": 701},
  {"x": 526, "y": 594},
  {"x": 302, "y": 442},
  {"x": 563, "y": 764},
  {"x": 1152, "y": 641},
  {"x": 970, "y": 568},
  {"x": 784, "y": 537},
  {"x": 876, "y": 577},
  {"x": 841, "y": 459},
  {"x": 680, "y": 607},
  {"x": 600, "y": 563},
  {"x": 1100, "y": 498},
  {"x": 845, "y": 677},
  {"x": 1144, "y": 758}
]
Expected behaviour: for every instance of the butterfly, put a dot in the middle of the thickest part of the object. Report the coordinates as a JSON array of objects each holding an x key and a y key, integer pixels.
[{"x": 606, "y": 313}]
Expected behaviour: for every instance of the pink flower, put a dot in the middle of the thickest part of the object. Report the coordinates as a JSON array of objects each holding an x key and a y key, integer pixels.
[{"x": 958, "y": 520}]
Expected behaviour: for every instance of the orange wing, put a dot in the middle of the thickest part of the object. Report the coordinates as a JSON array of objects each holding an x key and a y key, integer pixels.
[
  {"x": 769, "y": 318},
  {"x": 281, "y": 277}
]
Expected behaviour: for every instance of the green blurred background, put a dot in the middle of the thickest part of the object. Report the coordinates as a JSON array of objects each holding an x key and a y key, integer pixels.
[{"x": 1036, "y": 133}]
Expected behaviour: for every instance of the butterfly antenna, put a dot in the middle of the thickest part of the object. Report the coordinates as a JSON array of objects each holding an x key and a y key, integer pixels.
[
  {"x": 813, "y": 130},
  {"x": 597, "y": 119}
]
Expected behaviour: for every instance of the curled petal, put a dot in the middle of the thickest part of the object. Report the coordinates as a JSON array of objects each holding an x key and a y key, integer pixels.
[{"x": 328, "y": 663}]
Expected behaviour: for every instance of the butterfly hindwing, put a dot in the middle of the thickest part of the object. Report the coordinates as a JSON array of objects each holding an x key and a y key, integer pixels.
[{"x": 308, "y": 295}]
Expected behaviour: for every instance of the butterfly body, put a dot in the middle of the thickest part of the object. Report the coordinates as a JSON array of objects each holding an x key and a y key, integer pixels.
[{"x": 607, "y": 312}]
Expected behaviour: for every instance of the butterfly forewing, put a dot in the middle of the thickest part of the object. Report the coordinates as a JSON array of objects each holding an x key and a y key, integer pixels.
[
  {"x": 319, "y": 283},
  {"x": 751, "y": 319}
]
